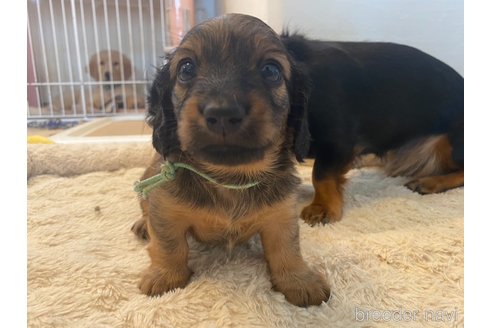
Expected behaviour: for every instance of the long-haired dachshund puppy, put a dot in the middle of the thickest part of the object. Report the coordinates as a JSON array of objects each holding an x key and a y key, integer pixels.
[
  {"x": 382, "y": 98},
  {"x": 230, "y": 102}
]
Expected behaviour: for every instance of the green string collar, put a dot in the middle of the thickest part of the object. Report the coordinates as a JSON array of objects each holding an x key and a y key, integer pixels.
[{"x": 168, "y": 173}]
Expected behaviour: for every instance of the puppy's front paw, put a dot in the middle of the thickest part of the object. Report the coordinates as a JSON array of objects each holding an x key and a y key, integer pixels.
[
  {"x": 316, "y": 213},
  {"x": 303, "y": 288},
  {"x": 156, "y": 280}
]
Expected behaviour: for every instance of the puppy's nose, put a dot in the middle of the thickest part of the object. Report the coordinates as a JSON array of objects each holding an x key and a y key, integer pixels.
[
  {"x": 107, "y": 76},
  {"x": 223, "y": 120}
]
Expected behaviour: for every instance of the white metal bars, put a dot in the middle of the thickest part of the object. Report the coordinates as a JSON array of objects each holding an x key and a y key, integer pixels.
[{"x": 63, "y": 37}]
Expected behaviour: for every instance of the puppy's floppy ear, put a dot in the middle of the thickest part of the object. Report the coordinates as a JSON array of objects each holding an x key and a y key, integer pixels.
[
  {"x": 161, "y": 115},
  {"x": 297, "y": 121},
  {"x": 127, "y": 68},
  {"x": 93, "y": 67}
]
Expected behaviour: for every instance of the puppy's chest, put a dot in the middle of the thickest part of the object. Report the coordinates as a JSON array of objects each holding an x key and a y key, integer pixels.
[
  {"x": 220, "y": 228},
  {"x": 226, "y": 223},
  {"x": 225, "y": 217},
  {"x": 236, "y": 204},
  {"x": 218, "y": 214}
]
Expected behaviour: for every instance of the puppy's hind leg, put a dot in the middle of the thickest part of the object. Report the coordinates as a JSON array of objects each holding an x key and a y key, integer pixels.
[
  {"x": 139, "y": 228},
  {"x": 435, "y": 165},
  {"x": 437, "y": 183}
]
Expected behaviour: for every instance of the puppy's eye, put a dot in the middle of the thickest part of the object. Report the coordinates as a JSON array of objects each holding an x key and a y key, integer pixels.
[
  {"x": 271, "y": 73},
  {"x": 102, "y": 62},
  {"x": 186, "y": 71},
  {"x": 115, "y": 64}
]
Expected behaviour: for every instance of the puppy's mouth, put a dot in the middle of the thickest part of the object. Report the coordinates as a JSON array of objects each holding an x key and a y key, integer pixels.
[{"x": 231, "y": 154}]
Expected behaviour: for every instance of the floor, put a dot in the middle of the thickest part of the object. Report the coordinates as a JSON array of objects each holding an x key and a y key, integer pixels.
[
  {"x": 122, "y": 128},
  {"x": 114, "y": 128},
  {"x": 43, "y": 132}
]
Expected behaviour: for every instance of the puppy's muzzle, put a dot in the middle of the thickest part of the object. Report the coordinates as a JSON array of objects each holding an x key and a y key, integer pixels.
[{"x": 224, "y": 120}]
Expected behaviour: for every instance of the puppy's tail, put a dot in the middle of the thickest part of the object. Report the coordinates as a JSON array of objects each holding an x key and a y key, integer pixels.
[{"x": 420, "y": 158}]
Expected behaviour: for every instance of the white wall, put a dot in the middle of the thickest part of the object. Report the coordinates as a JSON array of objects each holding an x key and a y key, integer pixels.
[
  {"x": 434, "y": 26},
  {"x": 269, "y": 11},
  {"x": 60, "y": 63}
]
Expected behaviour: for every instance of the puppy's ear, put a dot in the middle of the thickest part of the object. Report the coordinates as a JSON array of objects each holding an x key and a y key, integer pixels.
[
  {"x": 93, "y": 67},
  {"x": 161, "y": 115},
  {"x": 297, "y": 122},
  {"x": 127, "y": 68}
]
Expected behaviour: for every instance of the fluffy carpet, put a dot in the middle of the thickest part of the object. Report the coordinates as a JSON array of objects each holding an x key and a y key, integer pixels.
[{"x": 394, "y": 260}]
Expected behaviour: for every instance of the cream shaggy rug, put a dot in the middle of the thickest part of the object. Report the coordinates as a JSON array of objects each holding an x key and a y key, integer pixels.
[{"x": 395, "y": 259}]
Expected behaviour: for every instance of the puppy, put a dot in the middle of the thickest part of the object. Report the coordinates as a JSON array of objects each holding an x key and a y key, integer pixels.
[
  {"x": 231, "y": 103},
  {"x": 105, "y": 66},
  {"x": 390, "y": 100},
  {"x": 112, "y": 66}
]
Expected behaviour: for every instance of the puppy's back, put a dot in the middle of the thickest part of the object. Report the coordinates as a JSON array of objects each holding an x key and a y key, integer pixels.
[{"x": 381, "y": 93}]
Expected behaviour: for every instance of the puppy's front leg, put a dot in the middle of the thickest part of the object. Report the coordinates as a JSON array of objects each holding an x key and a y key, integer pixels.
[
  {"x": 168, "y": 251},
  {"x": 328, "y": 182},
  {"x": 289, "y": 273}
]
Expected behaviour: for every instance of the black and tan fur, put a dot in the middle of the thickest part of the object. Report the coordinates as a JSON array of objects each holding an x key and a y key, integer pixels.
[
  {"x": 391, "y": 100},
  {"x": 219, "y": 105}
]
